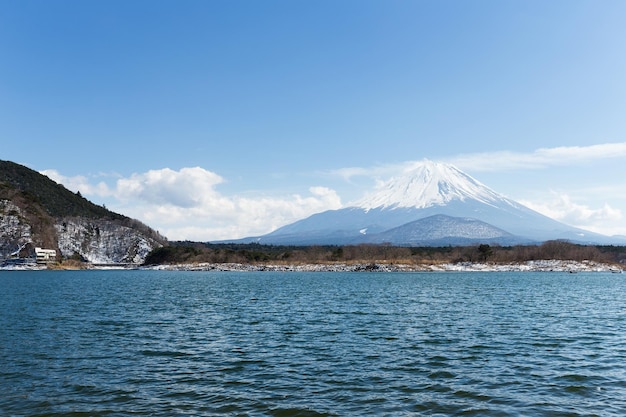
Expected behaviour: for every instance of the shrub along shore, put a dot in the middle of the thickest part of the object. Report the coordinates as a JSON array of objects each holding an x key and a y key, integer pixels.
[
  {"x": 192, "y": 256},
  {"x": 529, "y": 266},
  {"x": 548, "y": 256}
]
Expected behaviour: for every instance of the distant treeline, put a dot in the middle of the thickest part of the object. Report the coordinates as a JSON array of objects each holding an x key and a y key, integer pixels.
[{"x": 194, "y": 252}]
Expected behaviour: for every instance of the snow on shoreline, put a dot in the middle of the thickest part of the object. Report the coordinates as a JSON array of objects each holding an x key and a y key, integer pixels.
[{"x": 529, "y": 266}]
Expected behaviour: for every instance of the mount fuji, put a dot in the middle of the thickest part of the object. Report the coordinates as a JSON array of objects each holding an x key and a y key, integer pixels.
[{"x": 432, "y": 204}]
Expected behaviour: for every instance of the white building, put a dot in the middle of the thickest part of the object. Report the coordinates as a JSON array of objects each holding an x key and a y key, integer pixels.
[{"x": 45, "y": 255}]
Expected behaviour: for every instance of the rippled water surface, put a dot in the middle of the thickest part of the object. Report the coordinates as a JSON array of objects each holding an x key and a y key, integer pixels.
[{"x": 155, "y": 343}]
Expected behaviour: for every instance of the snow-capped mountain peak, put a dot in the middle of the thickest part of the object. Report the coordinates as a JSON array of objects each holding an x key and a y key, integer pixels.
[
  {"x": 429, "y": 184},
  {"x": 431, "y": 204}
]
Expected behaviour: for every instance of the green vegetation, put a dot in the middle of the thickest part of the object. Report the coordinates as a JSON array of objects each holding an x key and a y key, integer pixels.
[
  {"x": 57, "y": 200},
  {"x": 193, "y": 252}
]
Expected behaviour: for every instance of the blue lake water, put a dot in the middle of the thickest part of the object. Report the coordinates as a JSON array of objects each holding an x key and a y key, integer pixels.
[{"x": 157, "y": 343}]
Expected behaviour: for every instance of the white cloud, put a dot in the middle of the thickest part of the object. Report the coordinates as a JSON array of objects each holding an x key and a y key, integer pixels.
[
  {"x": 562, "y": 208},
  {"x": 221, "y": 217},
  {"x": 189, "y": 187},
  {"x": 78, "y": 183},
  {"x": 185, "y": 204},
  {"x": 538, "y": 159},
  {"x": 351, "y": 172},
  {"x": 501, "y": 160},
  {"x": 377, "y": 172}
]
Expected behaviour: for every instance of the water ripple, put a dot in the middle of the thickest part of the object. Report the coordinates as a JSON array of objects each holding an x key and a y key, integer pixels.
[{"x": 139, "y": 343}]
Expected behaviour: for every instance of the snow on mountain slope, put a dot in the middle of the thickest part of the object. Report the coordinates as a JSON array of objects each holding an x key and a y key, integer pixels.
[
  {"x": 441, "y": 230},
  {"x": 429, "y": 189},
  {"x": 430, "y": 184}
]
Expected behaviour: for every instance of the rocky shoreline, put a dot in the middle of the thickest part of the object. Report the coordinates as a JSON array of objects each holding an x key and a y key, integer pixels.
[{"x": 529, "y": 266}]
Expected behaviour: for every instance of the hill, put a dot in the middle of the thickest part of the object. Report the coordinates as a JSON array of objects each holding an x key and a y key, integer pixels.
[
  {"x": 57, "y": 200},
  {"x": 37, "y": 212}
]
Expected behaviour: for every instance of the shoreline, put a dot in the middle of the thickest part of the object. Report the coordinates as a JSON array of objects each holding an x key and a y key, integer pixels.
[
  {"x": 550, "y": 265},
  {"x": 527, "y": 266}
]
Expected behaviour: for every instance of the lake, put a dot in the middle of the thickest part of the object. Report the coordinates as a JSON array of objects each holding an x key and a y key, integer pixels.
[{"x": 158, "y": 343}]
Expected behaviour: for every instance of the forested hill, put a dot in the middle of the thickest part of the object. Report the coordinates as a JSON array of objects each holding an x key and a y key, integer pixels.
[
  {"x": 54, "y": 198},
  {"x": 36, "y": 210}
]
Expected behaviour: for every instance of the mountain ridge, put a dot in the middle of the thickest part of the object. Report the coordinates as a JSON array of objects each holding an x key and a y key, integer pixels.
[
  {"x": 428, "y": 189},
  {"x": 443, "y": 230}
]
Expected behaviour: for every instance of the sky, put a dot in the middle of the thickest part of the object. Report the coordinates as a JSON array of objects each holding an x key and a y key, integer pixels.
[{"x": 219, "y": 119}]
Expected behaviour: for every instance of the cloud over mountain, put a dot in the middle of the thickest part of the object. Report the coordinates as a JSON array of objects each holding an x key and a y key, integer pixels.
[{"x": 562, "y": 208}]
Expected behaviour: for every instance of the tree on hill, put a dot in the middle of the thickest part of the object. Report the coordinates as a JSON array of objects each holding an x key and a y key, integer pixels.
[{"x": 57, "y": 200}]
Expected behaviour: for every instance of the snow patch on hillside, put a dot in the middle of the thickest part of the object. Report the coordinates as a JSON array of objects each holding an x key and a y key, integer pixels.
[
  {"x": 14, "y": 232},
  {"x": 102, "y": 241}
]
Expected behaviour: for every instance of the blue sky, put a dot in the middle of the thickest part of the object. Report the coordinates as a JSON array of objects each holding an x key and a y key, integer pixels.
[{"x": 221, "y": 119}]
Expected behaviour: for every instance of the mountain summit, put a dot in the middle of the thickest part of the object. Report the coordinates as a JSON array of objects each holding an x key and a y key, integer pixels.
[
  {"x": 429, "y": 184},
  {"x": 431, "y": 204}
]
